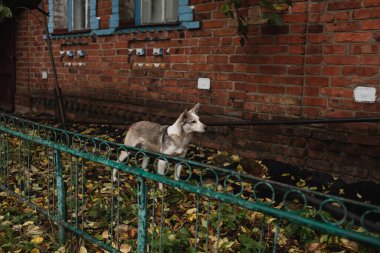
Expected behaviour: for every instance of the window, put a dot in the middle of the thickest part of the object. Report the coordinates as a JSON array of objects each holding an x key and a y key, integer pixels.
[
  {"x": 80, "y": 15},
  {"x": 158, "y": 11},
  {"x": 71, "y": 15},
  {"x": 148, "y": 12}
]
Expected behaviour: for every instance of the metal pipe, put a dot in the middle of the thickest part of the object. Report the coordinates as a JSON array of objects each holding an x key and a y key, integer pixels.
[{"x": 56, "y": 84}]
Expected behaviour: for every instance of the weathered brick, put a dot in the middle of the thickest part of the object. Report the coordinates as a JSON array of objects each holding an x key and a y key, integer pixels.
[
  {"x": 353, "y": 37},
  {"x": 344, "y": 5},
  {"x": 294, "y": 18},
  {"x": 290, "y": 39},
  {"x": 297, "y": 49},
  {"x": 331, "y": 70},
  {"x": 206, "y": 7},
  {"x": 271, "y": 89},
  {"x": 315, "y": 28},
  {"x": 334, "y": 49},
  {"x": 317, "y": 81},
  {"x": 268, "y": 30},
  {"x": 365, "y": 49},
  {"x": 311, "y": 101},
  {"x": 290, "y": 59},
  {"x": 370, "y": 60},
  {"x": 342, "y": 27},
  {"x": 370, "y": 24},
  {"x": 343, "y": 16},
  {"x": 341, "y": 60},
  {"x": 371, "y": 3},
  {"x": 317, "y": 7},
  {"x": 359, "y": 71},
  {"x": 313, "y": 70},
  {"x": 321, "y": 18},
  {"x": 299, "y": 8},
  {"x": 273, "y": 69},
  {"x": 366, "y": 13}
]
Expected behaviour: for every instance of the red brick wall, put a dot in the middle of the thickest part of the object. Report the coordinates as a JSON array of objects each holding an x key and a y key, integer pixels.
[{"x": 308, "y": 67}]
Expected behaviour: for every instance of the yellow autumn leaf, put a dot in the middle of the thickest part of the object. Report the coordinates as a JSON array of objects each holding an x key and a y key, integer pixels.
[
  {"x": 35, "y": 250},
  {"x": 235, "y": 158},
  {"x": 37, "y": 240},
  {"x": 3, "y": 194},
  {"x": 105, "y": 234},
  {"x": 191, "y": 210},
  {"x": 82, "y": 249},
  {"x": 125, "y": 248},
  {"x": 277, "y": 7}
]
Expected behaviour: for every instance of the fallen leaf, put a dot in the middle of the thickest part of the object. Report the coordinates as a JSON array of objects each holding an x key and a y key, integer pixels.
[
  {"x": 61, "y": 250},
  {"x": 125, "y": 248},
  {"x": 82, "y": 249},
  {"x": 35, "y": 250},
  {"x": 3, "y": 194},
  {"x": 235, "y": 158},
  {"x": 105, "y": 234},
  {"x": 37, "y": 240},
  {"x": 17, "y": 227},
  {"x": 191, "y": 210},
  {"x": 301, "y": 183},
  {"x": 28, "y": 223}
]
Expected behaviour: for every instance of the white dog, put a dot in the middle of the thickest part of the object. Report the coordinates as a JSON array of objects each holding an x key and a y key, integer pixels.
[{"x": 171, "y": 140}]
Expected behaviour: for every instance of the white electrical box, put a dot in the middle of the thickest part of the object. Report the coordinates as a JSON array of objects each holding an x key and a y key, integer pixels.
[
  {"x": 204, "y": 83},
  {"x": 365, "y": 94},
  {"x": 44, "y": 74}
]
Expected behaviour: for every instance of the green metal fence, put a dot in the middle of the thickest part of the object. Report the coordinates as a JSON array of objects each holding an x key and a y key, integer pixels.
[{"x": 208, "y": 210}]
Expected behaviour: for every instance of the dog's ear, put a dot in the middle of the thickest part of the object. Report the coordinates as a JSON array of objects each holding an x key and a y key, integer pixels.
[
  {"x": 183, "y": 117},
  {"x": 195, "y": 109}
]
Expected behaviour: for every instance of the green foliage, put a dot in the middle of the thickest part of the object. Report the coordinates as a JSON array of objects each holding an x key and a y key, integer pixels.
[
  {"x": 174, "y": 241},
  {"x": 249, "y": 244},
  {"x": 271, "y": 12},
  {"x": 231, "y": 217},
  {"x": 5, "y": 12}
]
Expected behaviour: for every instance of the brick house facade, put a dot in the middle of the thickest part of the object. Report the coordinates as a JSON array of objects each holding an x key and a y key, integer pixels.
[{"x": 306, "y": 68}]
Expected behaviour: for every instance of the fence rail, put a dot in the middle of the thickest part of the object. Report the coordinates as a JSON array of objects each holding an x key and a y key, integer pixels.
[{"x": 68, "y": 177}]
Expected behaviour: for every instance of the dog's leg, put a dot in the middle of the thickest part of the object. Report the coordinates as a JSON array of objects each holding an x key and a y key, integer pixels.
[
  {"x": 177, "y": 172},
  {"x": 161, "y": 166},
  {"x": 145, "y": 163},
  {"x": 122, "y": 157},
  {"x": 178, "y": 168}
]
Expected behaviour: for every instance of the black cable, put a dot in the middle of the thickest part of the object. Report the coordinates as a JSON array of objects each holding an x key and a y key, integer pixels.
[
  {"x": 229, "y": 123},
  {"x": 292, "y": 122}
]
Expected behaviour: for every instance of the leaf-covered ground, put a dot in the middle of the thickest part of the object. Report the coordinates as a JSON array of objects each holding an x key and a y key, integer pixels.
[{"x": 23, "y": 230}]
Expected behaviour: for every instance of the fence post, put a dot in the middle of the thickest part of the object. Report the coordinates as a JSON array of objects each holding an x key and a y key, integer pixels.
[
  {"x": 142, "y": 234},
  {"x": 61, "y": 197}
]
